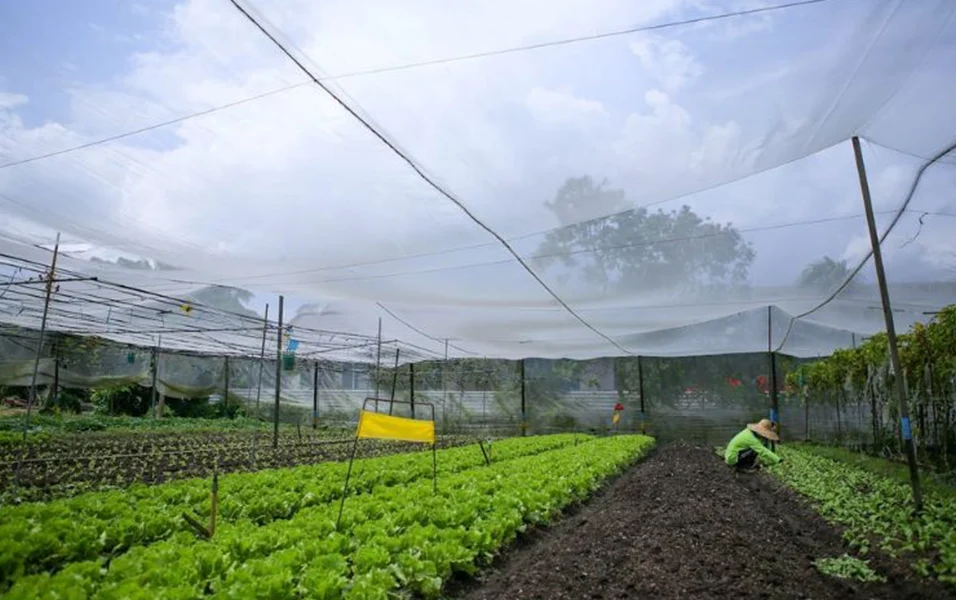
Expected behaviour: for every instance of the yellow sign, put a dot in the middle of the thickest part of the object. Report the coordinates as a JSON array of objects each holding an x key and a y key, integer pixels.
[
  {"x": 616, "y": 417},
  {"x": 377, "y": 425}
]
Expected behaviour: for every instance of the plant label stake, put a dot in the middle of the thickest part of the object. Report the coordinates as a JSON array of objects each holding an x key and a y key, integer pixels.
[
  {"x": 207, "y": 532},
  {"x": 485, "y": 454}
]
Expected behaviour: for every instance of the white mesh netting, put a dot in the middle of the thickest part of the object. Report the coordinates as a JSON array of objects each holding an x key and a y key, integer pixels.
[{"x": 506, "y": 179}]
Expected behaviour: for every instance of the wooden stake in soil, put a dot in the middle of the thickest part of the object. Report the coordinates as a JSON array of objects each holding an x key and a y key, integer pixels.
[{"x": 890, "y": 327}]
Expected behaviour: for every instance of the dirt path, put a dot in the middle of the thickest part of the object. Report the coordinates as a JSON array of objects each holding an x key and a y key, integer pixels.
[{"x": 680, "y": 525}]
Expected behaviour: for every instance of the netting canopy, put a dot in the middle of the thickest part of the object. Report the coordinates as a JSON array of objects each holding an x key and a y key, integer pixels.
[{"x": 502, "y": 178}]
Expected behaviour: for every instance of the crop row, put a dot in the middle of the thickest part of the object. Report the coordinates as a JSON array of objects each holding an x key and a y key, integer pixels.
[
  {"x": 397, "y": 538},
  {"x": 70, "y": 469},
  {"x": 45, "y": 536},
  {"x": 872, "y": 507}
]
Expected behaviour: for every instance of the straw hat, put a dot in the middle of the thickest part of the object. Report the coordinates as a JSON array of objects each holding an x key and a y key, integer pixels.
[{"x": 765, "y": 429}]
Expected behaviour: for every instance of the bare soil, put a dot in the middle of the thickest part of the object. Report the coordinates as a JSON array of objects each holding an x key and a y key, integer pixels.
[{"x": 680, "y": 524}]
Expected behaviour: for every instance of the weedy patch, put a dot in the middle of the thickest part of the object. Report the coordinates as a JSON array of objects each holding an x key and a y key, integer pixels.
[{"x": 848, "y": 567}]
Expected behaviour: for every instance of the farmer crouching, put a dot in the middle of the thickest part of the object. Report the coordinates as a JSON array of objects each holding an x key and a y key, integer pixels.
[{"x": 749, "y": 448}]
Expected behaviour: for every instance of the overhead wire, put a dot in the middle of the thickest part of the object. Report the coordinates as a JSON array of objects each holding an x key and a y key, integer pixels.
[{"x": 898, "y": 214}]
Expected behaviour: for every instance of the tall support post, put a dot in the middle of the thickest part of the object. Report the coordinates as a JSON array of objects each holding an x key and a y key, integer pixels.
[
  {"x": 378, "y": 362},
  {"x": 154, "y": 366},
  {"x": 315, "y": 396},
  {"x": 444, "y": 387},
  {"x": 262, "y": 358},
  {"x": 411, "y": 387},
  {"x": 275, "y": 416},
  {"x": 56, "y": 373},
  {"x": 524, "y": 408},
  {"x": 640, "y": 389},
  {"x": 806, "y": 417},
  {"x": 225, "y": 386},
  {"x": 46, "y": 311},
  {"x": 890, "y": 327},
  {"x": 774, "y": 399},
  {"x": 391, "y": 402}
]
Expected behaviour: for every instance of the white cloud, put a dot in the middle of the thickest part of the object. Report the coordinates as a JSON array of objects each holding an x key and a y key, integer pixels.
[
  {"x": 8, "y": 100},
  {"x": 669, "y": 62},
  {"x": 561, "y": 108}
]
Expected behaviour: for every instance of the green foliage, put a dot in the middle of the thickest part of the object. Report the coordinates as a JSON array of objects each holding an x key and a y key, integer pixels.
[
  {"x": 876, "y": 509},
  {"x": 848, "y": 567},
  {"x": 825, "y": 274},
  {"x": 862, "y": 375},
  {"x": 396, "y": 535},
  {"x": 129, "y": 399}
]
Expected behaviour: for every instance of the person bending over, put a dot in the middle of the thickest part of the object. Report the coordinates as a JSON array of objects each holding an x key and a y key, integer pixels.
[{"x": 748, "y": 449}]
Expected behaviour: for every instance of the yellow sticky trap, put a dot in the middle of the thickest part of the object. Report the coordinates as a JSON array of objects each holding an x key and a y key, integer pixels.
[{"x": 387, "y": 427}]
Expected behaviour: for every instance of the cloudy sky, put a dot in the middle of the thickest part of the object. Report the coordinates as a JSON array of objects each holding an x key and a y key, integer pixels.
[{"x": 262, "y": 180}]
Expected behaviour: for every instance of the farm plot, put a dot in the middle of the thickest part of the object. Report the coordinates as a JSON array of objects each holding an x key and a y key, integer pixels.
[
  {"x": 69, "y": 465},
  {"x": 682, "y": 525},
  {"x": 278, "y": 528},
  {"x": 876, "y": 511}
]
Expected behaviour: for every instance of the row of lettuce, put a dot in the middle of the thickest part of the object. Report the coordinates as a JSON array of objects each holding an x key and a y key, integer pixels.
[
  {"x": 277, "y": 535},
  {"x": 873, "y": 508}
]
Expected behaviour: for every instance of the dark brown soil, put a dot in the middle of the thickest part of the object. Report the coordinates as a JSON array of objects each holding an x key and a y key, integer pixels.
[{"x": 682, "y": 525}]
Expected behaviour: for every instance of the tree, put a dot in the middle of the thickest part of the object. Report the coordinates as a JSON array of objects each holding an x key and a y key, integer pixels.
[
  {"x": 638, "y": 248},
  {"x": 825, "y": 274}
]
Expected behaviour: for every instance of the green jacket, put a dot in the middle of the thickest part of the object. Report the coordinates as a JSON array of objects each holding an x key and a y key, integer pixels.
[{"x": 748, "y": 439}]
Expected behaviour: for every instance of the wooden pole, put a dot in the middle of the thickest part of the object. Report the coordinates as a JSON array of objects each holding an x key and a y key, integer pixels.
[
  {"x": 275, "y": 417},
  {"x": 391, "y": 402},
  {"x": 39, "y": 354},
  {"x": 155, "y": 368},
  {"x": 378, "y": 362},
  {"x": 411, "y": 387},
  {"x": 890, "y": 327},
  {"x": 774, "y": 400},
  {"x": 56, "y": 373},
  {"x": 640, "y": 388},
  {"x": 524, "y": 414},
  {"x": 315, "y": 396},
  {"x": 225, "y": 369},
  {"x": 262, "y": 357}
]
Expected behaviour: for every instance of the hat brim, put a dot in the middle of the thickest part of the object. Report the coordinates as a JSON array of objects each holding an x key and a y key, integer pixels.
[{"x": 763, "y": 431}]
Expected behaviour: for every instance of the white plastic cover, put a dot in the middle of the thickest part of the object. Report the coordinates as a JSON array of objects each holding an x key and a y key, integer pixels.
[{"x": 486, "y": 177}]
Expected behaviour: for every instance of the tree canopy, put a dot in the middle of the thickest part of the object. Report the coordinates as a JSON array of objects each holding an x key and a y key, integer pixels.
[
  {"x": 824, "y": 274},
  {"x": 639, "y": 248}
]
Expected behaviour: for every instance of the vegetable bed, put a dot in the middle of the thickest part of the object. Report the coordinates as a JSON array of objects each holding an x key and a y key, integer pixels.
[
  {"x": 877, "y": 509},
  {"x": 277, "y": 538}
]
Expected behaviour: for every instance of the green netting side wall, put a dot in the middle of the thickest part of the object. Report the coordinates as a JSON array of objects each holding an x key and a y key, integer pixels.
[{"x": 704, "y": 399}]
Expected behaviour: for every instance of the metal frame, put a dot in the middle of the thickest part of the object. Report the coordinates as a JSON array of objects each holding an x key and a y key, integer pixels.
[{"x": 348, "y": 472}]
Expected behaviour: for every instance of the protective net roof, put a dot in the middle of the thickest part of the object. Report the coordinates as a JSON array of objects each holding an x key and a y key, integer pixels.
[{"x": 563, "y": 179}]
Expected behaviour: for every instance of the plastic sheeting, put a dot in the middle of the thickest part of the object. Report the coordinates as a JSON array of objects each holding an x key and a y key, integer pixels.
[{"x": 541, "y": 142}]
